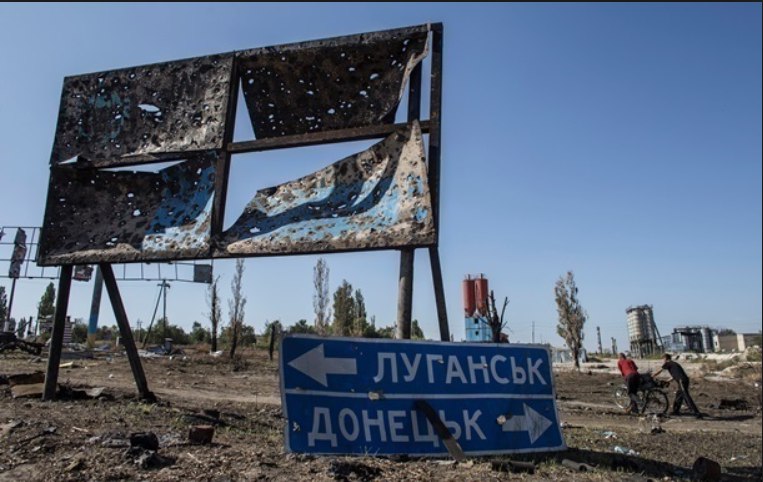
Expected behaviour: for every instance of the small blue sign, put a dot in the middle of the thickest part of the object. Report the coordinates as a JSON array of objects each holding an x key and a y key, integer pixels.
[{"x": 358, "y": 396}]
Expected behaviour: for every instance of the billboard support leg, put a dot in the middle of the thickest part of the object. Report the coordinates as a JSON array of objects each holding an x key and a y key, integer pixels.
[
  {"x": 439, "y": 293},
  {"x": 57, "y": 337},
  {"x": 126, "y": 332},
  {"x": 405, "y": 295}
]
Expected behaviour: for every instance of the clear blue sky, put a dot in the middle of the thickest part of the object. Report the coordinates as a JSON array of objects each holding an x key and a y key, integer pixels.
[{"x": 620, "y": 141}]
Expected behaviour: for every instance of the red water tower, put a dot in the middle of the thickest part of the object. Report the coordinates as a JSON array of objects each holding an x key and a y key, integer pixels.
[
  {"x": 481, "y": 293},
  {"x": 468, "y": 294}
]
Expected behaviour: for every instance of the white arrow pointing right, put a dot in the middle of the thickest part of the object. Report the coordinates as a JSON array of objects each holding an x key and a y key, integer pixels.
[
  {"x": 532, "y": 422},
  {"x": 315, "y": 365}
]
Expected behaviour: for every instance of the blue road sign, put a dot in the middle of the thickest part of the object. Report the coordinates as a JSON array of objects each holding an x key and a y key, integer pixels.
[{"x": 358, "y": 396}]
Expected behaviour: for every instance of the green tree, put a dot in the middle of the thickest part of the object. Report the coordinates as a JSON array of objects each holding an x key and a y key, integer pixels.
[
  {"x": 321, "y": 296},
  {"x": 215, "y": 312},
  {"x": 360, "y": 324},
  {"x": 344, "y": 310},
  {"x": 21, "y": 328},
  {"x": 198, "y": 333},
  {"x": 236, "y": 306},
  {"x": 3, "y": 305},
  {"x": 79, "y": 332},
  {"x": 302, "y": 326},
  {"x": 572, "y": 316},
  {"x": 47, "y": 305},
  {"x": 416, "y": 332}
]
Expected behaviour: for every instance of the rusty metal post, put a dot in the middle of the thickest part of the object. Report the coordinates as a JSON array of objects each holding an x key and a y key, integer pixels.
[
  {"x": 57, "y": 337},
  {"x": 125, "y": 332},
  {"x": 405, "y": 295},
  {"x": 435, "y": 119}
]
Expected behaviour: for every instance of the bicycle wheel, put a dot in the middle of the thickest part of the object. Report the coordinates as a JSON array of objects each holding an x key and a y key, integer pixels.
[
  {"x": 656, "y": 402},
  {"x": 622, "y": 399}
]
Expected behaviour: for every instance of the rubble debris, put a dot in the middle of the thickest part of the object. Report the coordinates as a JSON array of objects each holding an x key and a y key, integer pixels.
[
  {"x": 7, "y": 428},
  {"x": 201, "y": 434},
  {"x": 706, "y": 470},
  {"x": 624, "y": 450},
  {"x": 733, "y": 404},
  {"x": 77, "y": 464},
  {"x": 577, "y": 466},
  {"x": 148, "y": 459},
  {"x": 144, "y": 440},
  {"x": 31, "y": 390},
  {"x": 351, "y": 470},
  {"x": 513, "y": 466},
  {"x": 70, "y": 393},
  {"x": 26, "y": 378}
]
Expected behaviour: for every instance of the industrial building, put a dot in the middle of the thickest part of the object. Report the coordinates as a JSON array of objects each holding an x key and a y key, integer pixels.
[
  {"x": 697, "y": 339},
  {"x": 643, "y": 334},
  {"x": 476, "y": 325}
]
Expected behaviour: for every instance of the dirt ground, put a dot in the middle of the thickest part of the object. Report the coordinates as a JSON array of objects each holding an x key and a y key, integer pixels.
[{"x": 88, "y": 439}]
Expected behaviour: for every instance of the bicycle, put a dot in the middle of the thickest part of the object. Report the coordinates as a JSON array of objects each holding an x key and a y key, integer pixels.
[{"x": 652, "y": 397}]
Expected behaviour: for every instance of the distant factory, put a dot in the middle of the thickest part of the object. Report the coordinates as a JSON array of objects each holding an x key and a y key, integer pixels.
[{"x": 645, "y": 338}]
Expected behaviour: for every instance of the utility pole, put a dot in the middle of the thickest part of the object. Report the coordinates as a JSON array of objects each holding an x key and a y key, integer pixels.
[
  {"x": 533, "y": 331},
  {"x": 614, "y": 346},
  {"x": 164, "y": 285},
  {"x": 598, "y": 335}
]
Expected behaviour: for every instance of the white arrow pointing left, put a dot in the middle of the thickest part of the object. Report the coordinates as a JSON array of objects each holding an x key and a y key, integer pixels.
[
  {"x": 532, "y": 422},
  {"x": 315, "y": 365}
]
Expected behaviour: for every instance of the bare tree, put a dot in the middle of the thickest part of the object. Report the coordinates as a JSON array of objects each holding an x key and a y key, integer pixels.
[
  {"x": 321, "y": 298},
  {"x": 236, "y": 306},
  {"x": 572, "y": 316},
  {"x": 215, "y": 311},
  {"x": 496, "y": 322}
]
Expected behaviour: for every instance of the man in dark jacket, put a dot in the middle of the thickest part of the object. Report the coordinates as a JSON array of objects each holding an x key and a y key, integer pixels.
[
  {"x": 678, "y": 375},
  {"x": 629, "y": 371}
]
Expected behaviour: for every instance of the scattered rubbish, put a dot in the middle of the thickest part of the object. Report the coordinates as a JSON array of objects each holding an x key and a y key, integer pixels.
[
  {"x": 195, "y": 418},
  {"x": 706, "y": 470},
  {"x": 656, "y": 430},
  {"x": 608, "y": 435},
  {"x": 69, "y": 393},
  {"x": 113, "y": 440},
  {"x": 737, "y": 458},
  {"x": 217, "y": 353},
  {"x": 33, "y": 390},
  {"x": 26, "y": 378},
  {"x": 351, "y": 470},
  {"x": 201, "y": 434},
  {"x": 211, "y": 412},
  {"x": 7, "y": 428},
  {"x": 70, "y": 364},
  {"x": 565, "y": 425},
  {"x": 624, "y": 450},
  {"x": 148, "y": 459},
  {"x": 144, "y": 440},
  {"x": 513, "y": 466},
  {"x": 195, "y": 458},
  {"x": 77, "y": 464},
  {"x": 733, "y": 404},
  {"x": 577, "y": 466},
  {"x": 111, "y": 375},
  {"x": 46, "y": 431}
]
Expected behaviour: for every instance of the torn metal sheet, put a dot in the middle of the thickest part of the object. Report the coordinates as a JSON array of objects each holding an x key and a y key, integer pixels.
[
  {"x": 150, "y": 112},
  {"x": 332, "y": 84},
  {"x": 376, "y": 199},
  {"x": 121, "y": 216}
]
